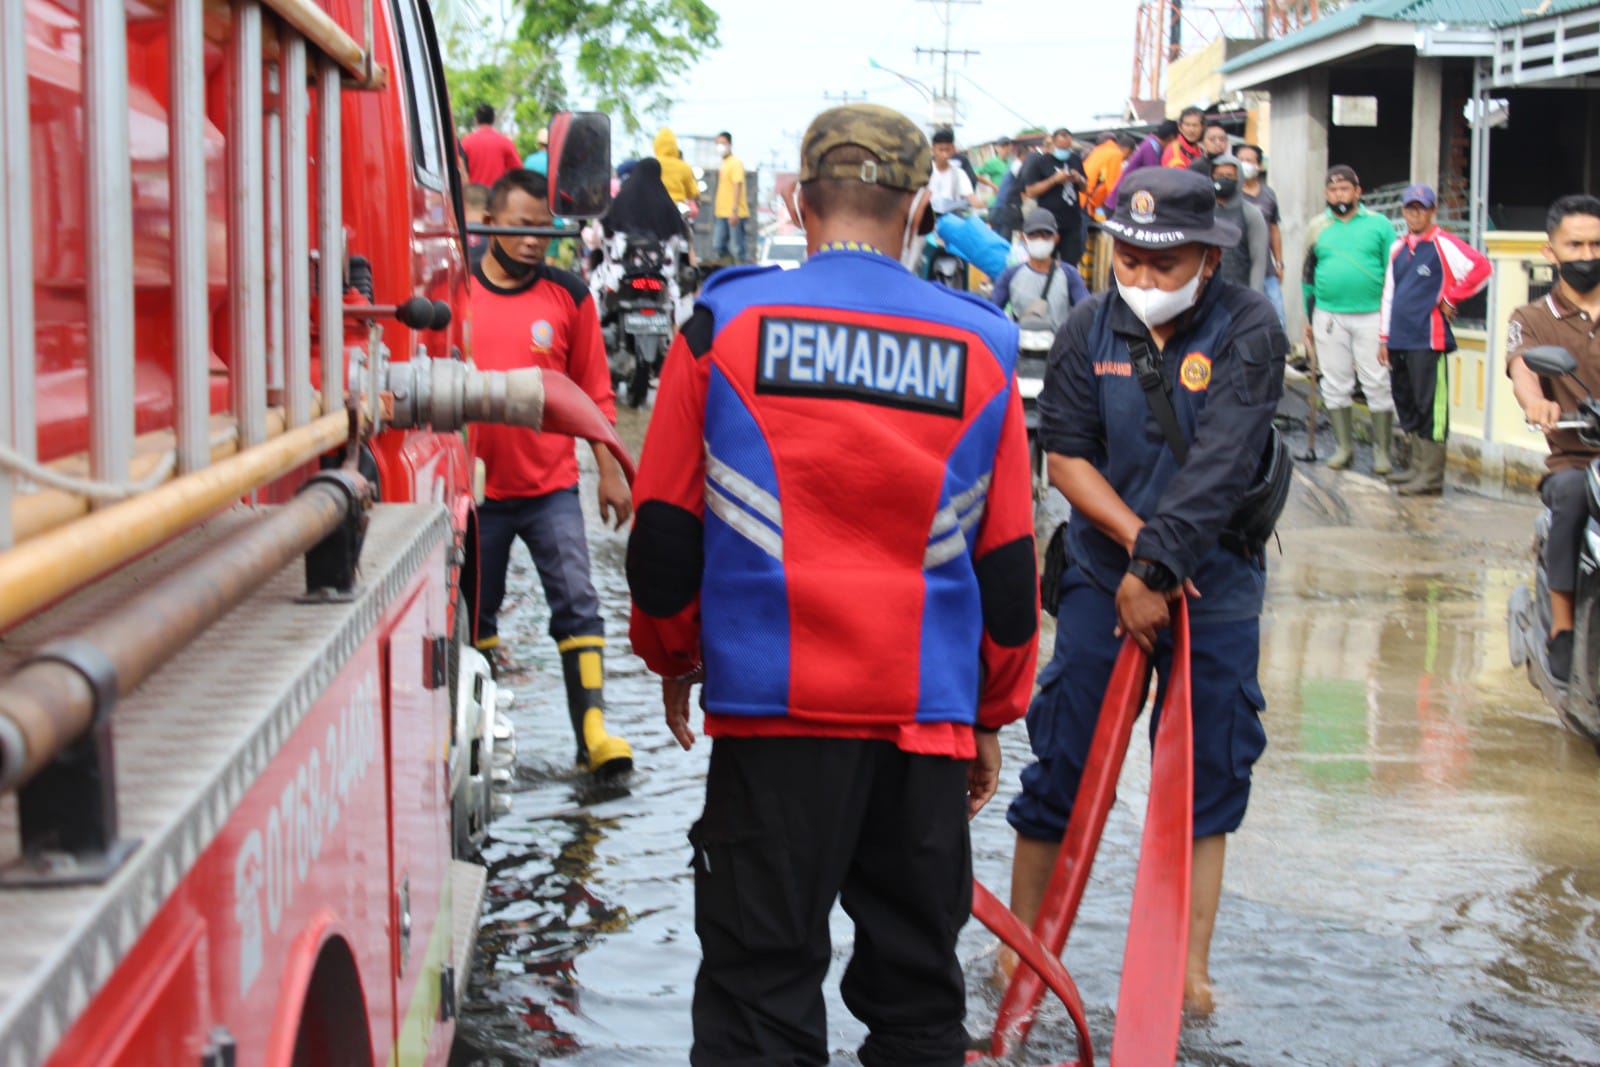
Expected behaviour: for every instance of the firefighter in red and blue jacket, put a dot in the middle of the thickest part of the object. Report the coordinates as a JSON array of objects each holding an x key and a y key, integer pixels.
[
  {"x": 834, "y": 532},
  {"x": 1430, "y": 273}
]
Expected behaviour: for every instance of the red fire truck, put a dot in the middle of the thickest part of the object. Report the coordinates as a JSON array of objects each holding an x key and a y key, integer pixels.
[{"x": 245, "y": 743}]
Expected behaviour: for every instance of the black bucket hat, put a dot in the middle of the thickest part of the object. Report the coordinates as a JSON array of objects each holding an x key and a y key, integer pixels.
[{"x": 1163, "y": 207}]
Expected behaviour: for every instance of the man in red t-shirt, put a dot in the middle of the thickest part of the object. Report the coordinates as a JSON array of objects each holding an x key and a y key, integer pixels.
[
  {"x": 526, "y": 313},
  {"x": 489, "y": 152}
]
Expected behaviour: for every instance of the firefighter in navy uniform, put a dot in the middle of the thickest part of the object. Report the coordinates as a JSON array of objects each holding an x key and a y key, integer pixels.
[
  {"x": 1146, "y": 528},
  {"x": 835, "y": 531}
]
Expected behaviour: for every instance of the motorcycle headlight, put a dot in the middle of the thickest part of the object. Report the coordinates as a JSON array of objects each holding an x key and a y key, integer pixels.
[{"x": 1035, "y": 339}]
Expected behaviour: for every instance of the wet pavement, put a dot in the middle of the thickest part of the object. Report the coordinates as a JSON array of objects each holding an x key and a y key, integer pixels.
[{"x": 1417, "y": 882}]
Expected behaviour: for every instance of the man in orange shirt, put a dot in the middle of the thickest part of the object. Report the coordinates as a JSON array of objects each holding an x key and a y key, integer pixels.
[
  {"x": 1103, "y": 168},
  {"x": 526, "y": 313}
]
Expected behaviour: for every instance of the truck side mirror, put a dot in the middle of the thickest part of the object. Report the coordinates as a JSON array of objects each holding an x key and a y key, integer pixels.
[
  {"x": 580, "y": 164},
  {"x": 1552, "y": 361}
]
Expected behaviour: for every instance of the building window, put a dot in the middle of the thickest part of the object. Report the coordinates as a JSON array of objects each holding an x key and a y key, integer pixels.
[{"x": 1355, "y": 110}]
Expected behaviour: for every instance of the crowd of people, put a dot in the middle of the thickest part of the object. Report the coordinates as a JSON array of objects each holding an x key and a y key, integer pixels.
[{"x": 860, "y": 607}]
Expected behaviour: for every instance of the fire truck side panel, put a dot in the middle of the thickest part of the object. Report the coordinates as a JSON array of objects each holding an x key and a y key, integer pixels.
[
  {"x": 417, "y": 733},
  {"x": 157, "y": 1013},
  {"x": 253, "y": 768}
]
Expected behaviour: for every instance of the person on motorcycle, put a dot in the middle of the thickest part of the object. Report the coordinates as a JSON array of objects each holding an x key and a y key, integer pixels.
[
  {"x": 645, "y": 207},
  {"x": 1566, "y": 316},
  {"x": 948, "y": 184},
  {"x": 1041, "y": 288}
]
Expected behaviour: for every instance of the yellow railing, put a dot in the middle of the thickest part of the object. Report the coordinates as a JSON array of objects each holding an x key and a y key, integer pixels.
[{"x": 1487, "y": 426}]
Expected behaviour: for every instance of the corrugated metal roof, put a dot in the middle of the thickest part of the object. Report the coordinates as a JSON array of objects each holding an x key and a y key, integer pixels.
[{"x": 1459, "y": 13}]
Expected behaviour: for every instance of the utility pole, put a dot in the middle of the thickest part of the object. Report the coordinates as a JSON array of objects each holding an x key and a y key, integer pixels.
[
  {"x": 844, "y": 97},
  {"x": 945, "y": 107}
]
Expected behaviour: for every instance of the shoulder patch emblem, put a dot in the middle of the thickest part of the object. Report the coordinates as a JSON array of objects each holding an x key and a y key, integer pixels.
[{"x": 1195, "y": 372}]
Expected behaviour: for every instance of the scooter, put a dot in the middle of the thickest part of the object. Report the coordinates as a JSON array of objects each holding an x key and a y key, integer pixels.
[
  {"x": 1034, "y": 338},
  {"x": 637, "y": 301},
  {"x": 1577, "y": 700}
]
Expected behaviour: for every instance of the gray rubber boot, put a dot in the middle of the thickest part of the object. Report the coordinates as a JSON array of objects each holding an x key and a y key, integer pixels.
[
  {"x": 1343, "y": 422},
  {"x": 1404, "y": 455},
  {"x": 1382, "y": 439},
  {"x": 1430, "y": 462}
]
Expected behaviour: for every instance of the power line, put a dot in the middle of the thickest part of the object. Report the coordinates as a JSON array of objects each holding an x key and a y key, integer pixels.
[
  {"x": 1025, "y": 120},
  {"x": 946, "y": 106}
]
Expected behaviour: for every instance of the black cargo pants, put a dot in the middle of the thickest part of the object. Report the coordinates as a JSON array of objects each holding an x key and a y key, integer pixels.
[{"x": 790, "y": 824}]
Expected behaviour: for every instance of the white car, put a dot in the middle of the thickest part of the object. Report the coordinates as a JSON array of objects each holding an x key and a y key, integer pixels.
[{"x": 787, "y": 250}]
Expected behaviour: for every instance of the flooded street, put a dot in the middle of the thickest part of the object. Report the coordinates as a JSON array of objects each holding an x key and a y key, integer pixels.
[{"x": 1417, "y": 882}]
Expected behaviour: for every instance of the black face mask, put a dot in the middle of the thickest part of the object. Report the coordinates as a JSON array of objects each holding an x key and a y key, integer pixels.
[
  {"x": 1582, "y": 274},
  {"x": 1225, "y": 187},
  {"x": 1342, "y": 209},
  {"x": 515, "y": 268}
]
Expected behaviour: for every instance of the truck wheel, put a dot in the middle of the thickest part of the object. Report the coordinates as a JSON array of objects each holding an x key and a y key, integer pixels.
[{"x": 333, "y": 1019}]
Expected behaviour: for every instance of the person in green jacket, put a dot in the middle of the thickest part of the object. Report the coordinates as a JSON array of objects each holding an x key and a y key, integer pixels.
[{"x": 1344, "y": 272}]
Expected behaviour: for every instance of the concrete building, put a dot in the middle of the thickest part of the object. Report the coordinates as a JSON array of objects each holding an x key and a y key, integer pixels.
[
  {"x": 1495, "y": 103},
  {"x": 1496, "y": 108}
]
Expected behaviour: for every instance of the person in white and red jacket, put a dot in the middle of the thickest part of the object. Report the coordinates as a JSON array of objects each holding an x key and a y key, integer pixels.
[{"x": 1430, "y": 273}]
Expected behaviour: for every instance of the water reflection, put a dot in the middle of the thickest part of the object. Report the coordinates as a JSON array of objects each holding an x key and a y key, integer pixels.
[{"x": 1418, "y": 881}]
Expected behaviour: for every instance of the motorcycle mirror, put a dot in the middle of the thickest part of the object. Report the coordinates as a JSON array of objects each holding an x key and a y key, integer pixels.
[
  {"x": 1552, "y": 361},
  {"x": 580, "y": 164}
]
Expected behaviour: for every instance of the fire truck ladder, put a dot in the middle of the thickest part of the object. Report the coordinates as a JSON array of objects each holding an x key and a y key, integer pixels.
[{"x": 55, "y": 741}]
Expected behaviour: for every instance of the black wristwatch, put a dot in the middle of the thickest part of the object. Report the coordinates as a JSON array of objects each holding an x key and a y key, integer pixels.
[{"x": 1156, "y": 576}]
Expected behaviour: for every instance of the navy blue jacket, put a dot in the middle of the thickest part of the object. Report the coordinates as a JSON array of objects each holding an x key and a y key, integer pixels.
[{"x": 1224, "y": 367}]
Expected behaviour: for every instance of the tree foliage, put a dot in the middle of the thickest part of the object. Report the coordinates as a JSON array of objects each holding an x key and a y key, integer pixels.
[{"x": 623, "y": 56}]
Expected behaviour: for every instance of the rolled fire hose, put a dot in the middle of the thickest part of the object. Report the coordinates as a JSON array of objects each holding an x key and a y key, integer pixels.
[{"x": 1150, "y": 998}]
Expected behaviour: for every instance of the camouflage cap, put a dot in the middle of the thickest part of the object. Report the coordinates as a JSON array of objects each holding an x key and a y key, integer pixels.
[{"x": 903, "y": 158}]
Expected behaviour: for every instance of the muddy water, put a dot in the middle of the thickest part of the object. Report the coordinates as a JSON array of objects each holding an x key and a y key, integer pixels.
[{"x": 1418, "y": 881}]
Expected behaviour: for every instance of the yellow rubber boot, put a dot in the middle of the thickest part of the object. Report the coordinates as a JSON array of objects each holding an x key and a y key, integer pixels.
[{"x": 583, "y": 669}]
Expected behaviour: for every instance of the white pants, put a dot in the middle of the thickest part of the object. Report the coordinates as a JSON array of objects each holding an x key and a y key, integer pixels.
[{"x": 1347, "y": 346}]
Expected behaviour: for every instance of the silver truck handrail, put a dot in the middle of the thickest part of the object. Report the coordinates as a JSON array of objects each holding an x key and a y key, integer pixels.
[{"x": 269, "y": 273}]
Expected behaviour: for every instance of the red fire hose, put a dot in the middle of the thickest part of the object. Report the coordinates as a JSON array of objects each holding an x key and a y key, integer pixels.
[{"x": 1150, "y": 1000}]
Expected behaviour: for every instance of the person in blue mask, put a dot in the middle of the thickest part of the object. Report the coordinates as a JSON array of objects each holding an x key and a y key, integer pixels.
[{"x": 1052, "y": 179}]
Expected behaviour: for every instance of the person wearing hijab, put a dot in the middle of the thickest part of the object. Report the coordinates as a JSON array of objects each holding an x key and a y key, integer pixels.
[{"x": 643, "y": 206}]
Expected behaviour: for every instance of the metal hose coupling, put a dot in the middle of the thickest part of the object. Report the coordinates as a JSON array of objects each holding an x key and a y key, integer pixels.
[{"x": 446, "y": 394}]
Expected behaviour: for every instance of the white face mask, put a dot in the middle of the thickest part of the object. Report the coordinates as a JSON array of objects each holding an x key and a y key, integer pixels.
[
  {"x": 723, "y": 150},
  {"x": 1248, "y": 171},
  {"x": 1040, "y": 247},
  {"x": 1156, "y": 307}
]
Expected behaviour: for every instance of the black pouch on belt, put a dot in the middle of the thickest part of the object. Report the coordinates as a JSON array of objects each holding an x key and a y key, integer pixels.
[{"x": 1055, "y": 565}]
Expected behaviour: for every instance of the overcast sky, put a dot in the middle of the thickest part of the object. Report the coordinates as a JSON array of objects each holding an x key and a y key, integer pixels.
[{"x": 1040, "y": 63}]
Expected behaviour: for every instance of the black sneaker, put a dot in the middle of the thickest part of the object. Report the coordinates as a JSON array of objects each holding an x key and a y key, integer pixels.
[{"x": 1559, "y": 652}]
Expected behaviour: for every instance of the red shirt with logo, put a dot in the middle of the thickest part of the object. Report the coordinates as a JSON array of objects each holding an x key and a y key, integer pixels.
[{"x": 551, "y": 322}]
